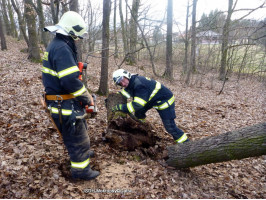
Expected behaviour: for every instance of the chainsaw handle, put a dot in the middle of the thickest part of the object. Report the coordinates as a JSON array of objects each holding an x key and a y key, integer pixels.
[{"x": 92, "y": 108}]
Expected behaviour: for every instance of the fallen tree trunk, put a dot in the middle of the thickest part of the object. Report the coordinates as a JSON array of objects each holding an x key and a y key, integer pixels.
[{"x": 243, "y": 143}]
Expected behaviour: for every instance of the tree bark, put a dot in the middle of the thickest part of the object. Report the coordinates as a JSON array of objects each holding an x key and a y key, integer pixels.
[
  {"x": 30, "y": 15},
  {"x": 92, "y": 30},
  {"x": 42, "y": 24},
  {"x": 115, "y": 32},
  {"x": 39, "y": 11},
  {"x": 192, "y": 66},
  {"x": 2, "y": 36},
  {"x": 147, "y": 45},
  {"x": 185, "y": 62},
  {"x": 123, "y": 28},
  {"x": 133, "y": 32},
  {"x": 5, "y": 17},
  {"x": 169, "y": 50},
  {"x": 54, "y": 11},
  {"x": 103, "y": 88},
  {"x": 21, "y": 22},
  {"x": 235, "y": 145},
  {"x": 225, "y": 39},
  {"x": 14, "y": 32}
]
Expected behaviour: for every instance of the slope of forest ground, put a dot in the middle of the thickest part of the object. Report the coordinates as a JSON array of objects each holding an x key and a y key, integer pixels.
[{"x": 34, "y": 162}]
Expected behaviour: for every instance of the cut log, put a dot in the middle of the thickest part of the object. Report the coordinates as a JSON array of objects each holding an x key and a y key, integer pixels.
[
  {"x": 124, "y": 132},
  {"x": 235, "y": 145}
]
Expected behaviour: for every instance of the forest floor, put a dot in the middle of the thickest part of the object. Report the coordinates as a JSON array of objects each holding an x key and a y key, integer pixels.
[{"x": 34, "y": 162}]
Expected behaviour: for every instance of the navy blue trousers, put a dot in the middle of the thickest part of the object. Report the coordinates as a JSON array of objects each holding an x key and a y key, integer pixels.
[
  {"x": 75, "y": 136},
  {"x": 168, "y": 118}
]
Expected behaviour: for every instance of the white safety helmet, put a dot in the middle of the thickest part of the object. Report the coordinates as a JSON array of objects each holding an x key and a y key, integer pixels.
[
  {"x": 72, "y": 24},
  {"x": 119, "y": 74}
]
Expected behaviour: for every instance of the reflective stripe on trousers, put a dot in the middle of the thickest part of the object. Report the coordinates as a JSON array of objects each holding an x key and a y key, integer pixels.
[
  {"x": 170, "y": 126},
  {"x": 182, "y": 139},
  {"x": 80, "y": 165},
  {"x": 166, "y": 104}
]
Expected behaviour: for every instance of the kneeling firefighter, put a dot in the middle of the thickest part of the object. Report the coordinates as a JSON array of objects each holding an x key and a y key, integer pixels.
[
  {"x": 66, "y": 96},
  {"x": 148, "y": 94}
]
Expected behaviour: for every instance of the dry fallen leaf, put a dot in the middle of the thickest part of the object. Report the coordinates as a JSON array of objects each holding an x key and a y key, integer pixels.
[{"x": 35, "y": 164}]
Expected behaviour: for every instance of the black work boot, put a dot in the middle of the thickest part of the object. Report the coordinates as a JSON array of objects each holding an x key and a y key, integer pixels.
[{"x": 84, "y": 174}]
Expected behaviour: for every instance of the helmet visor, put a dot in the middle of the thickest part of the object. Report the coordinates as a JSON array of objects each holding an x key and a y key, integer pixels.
[{"x": 118, "y": 80}]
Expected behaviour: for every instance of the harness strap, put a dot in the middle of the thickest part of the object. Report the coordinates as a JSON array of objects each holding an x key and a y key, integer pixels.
[{"x": 59, "y": 97}]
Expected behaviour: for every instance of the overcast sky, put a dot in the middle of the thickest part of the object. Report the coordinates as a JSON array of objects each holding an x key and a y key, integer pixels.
[
  {"x": 205, "y": 6},
  {"x": 158, "y": 8}
]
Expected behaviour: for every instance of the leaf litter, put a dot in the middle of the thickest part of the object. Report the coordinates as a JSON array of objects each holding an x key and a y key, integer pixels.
[{"x": 34, "y": 161}]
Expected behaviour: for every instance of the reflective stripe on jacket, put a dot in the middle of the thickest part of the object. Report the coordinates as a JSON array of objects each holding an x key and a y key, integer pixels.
[
  {"x": 60, "y": 72},
  {"x": 146, "y": 93}
]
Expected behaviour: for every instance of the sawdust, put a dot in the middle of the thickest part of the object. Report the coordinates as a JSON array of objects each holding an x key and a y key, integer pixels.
[{"x": 113, "y": 175}]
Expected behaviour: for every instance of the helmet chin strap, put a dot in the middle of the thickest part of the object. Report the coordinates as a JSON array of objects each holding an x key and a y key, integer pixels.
[{"x": 75, "y": 38}]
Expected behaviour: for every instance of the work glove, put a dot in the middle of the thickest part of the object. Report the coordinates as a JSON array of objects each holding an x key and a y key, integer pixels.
[
  {"x": 85, "y": 98},
  {"x": 117, "y": 107}
]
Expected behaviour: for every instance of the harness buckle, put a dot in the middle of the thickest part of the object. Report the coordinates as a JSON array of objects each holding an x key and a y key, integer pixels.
[{"x": 59, "y": 98}]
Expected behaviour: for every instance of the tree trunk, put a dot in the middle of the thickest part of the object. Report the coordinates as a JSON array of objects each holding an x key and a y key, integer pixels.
[
  {"x": 5, "y": 17},
  {"x": 103, "y": 88},
  {"x": 2, "y": 36},
  {"x": 185, "y": 62},
  {"x": 39, "y": 11},
  {"x": 147, "y": 45},
  {"x": 225, "y": 38},
  {"x": 44, "y": 35},
  {"x": 124, "y": 132},
  {"x": 92, "y": 32},
  {"x": 193, "y": 37},
  {"x": 14, "y": 32},
  {"x": 74, "y": 5},
  {"x": 235, "y": 145},
  {"x": 21, "y": 22},
  {"x": 123, "y": 28},
  {"x": 54, "y": 11},
  {"x": 115, "y": 32},
  {"x": 133, "y": 32},
  {"x": 169, "y": 50},
  {"x": 30, "y": 15},
  {"x": 192, "y": 66}
]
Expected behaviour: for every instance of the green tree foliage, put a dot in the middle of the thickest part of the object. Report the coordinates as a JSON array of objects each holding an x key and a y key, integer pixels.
[{"x": 214, "y": 21}]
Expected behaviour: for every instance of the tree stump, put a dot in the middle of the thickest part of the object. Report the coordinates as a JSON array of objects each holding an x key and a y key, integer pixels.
[
  {"x": 235, "y": 145},
  {"x": 125, "y": 132}
]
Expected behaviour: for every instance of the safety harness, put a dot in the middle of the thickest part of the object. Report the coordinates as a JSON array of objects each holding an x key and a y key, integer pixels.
[{"x": 59, "y": 99}]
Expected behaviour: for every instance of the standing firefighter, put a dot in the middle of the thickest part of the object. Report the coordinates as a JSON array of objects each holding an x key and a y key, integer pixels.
[
  {"x": 147, "y": 94},
  {"x": 66, "y": 96}
]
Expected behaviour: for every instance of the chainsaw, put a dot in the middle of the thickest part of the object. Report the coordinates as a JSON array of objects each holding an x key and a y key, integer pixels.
[{"x": 91, "y": 109}]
